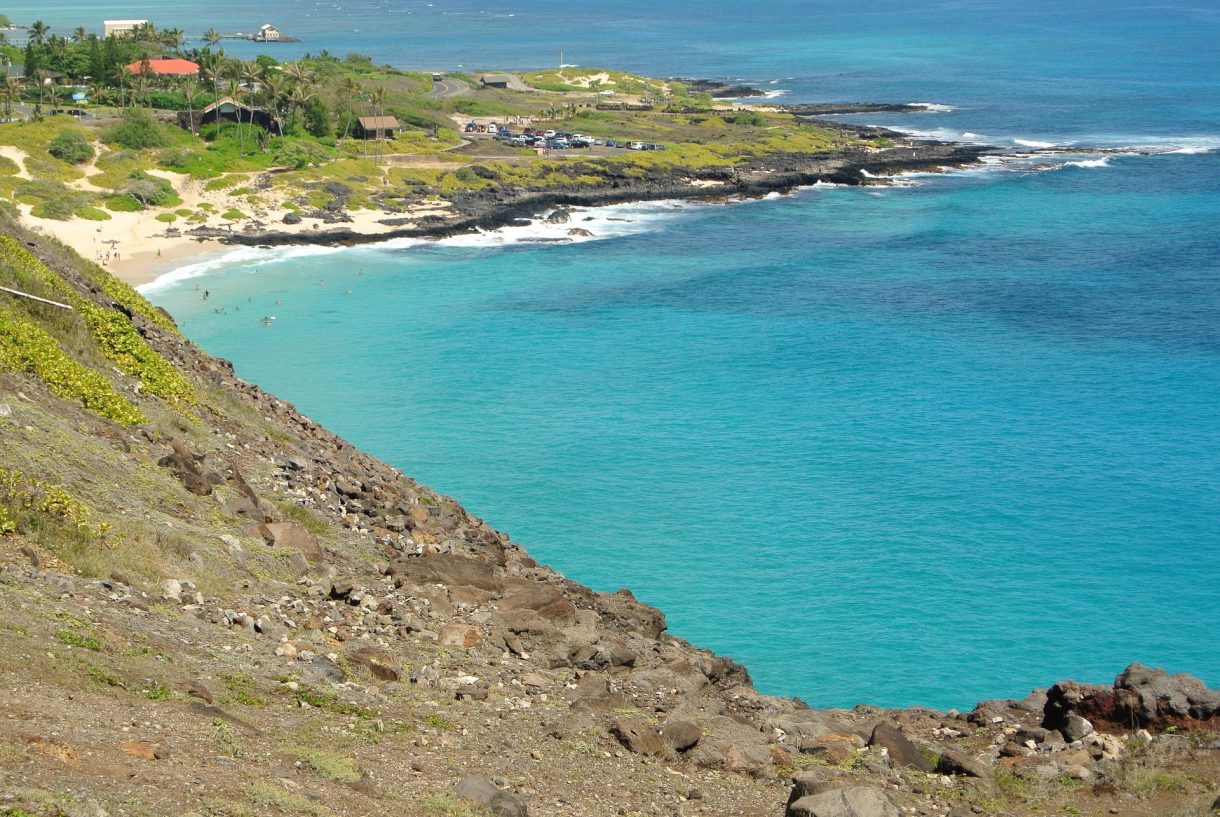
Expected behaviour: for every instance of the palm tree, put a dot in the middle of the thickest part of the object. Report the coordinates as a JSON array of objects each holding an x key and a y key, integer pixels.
[
  {"x": 38, "y": 32},
  {"x": 36, "y": 78},
  {"x": 234, "y": 89},
  {"x": 249, "y": 73},
  {"x": 147, "y": 78},
  {"x": 298, "y": 96},
  {"x": 79, "y": 35},
  {"x": 211, "y": 37},
  {"x": 350, "y": 90},
  {"x": 273, "y": 93},
  {"x": 12, "y": 90},
  {"x": 378, "y": 99},
  {"x": 297, "y": 72},
  {"x": 173, "y": 38},
  {"x": 189, "y": 88}
]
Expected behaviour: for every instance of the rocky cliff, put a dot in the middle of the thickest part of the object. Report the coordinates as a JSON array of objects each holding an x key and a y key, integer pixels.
[{"x": 213, "y": 606}]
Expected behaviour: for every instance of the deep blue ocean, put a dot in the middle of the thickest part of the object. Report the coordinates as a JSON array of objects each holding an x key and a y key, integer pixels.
[{"x": 926, "y": 444}]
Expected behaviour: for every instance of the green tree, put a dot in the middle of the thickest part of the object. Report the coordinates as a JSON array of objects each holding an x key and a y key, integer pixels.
[
  {"x": 72, "y": 147},
  {"x": 38, "y": 33}
]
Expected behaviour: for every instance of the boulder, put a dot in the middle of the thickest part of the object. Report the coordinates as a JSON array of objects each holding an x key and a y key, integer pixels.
[
  {"x": 638, "y": 735},
  {"x": 899, "y": 748},
  {"x": 379, "y": 663},
  {"x": 732, "y": 745},
  {"x": 851, "y": 801},
  {"x": 593, "y": 693},
  {"x": 559, "y": 217},
  {"x": 444, "y": 568},
  {"x": 954, "y": 762},
  {"x": 487, "y": 794},
  {"x": 832, "y": 748},
  {"x": 460, "y": 635},
  {"x": 1075, "y": 727},
  {"x": 802, "y": 729},
  {"x": 546, "y": 601},
  {"x": 293, "y": 536},
  {"x": 813, "y": 780},
  {"x": 681, "y": 735}
]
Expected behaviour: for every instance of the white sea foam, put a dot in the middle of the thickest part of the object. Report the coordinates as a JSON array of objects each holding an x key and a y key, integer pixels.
[
  {"x": 610, "y": 221},
  {"x": 242, "y": 256},
  {"x": 934, "y": 107},
  {"x": 1034, "y": 143},
  {"x": 776, "y": 93},
  {"x": 1102, "y": 162}
]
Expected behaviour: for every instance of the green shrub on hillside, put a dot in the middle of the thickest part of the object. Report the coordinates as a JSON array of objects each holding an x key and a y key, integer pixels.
[
  {"x": 72, "y": 147},
  {"x": 300, "y": 155},
  {"x": 121, "y": 343},
  {"x": 122, "y": 203},
  {"x": 151, "y": 191},
  {"x": 26, "y": 347},
  {"x": 20, "y": 495},
  {"x": 136, "y": 131}
]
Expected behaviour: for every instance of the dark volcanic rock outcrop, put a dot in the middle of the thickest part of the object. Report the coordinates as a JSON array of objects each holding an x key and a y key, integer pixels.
[{"x": 1140, "y": 698}]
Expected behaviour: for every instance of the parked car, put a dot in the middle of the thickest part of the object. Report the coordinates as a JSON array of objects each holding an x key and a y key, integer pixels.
[
  {"x": 550, "y": 134},
  {"x": 635, "y": 146},
  {"x": 610, "y": 143},
  {"x": 558, "y": 144}
]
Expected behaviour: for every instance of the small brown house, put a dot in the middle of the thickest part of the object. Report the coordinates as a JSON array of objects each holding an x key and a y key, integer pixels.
[
  {"x": 227, "y": 109},
  {"x": 495, "y": 80},
  {"x": 377, "y": 127}
]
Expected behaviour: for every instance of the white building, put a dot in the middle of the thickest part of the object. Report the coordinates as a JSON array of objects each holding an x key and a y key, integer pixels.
[
  {"x": 268, "y": 33},
  {"x": 120, "y": 27}
]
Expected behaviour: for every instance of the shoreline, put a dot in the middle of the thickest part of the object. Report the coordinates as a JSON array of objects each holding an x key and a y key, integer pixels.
[{"x": 493, "y": 210}]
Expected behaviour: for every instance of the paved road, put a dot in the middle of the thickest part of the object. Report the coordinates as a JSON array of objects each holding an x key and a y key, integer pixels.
[{"x": 447, "y": 87}]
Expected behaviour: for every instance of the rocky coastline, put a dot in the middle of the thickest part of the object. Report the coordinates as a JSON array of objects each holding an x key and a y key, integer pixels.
[
  {"x": 501, "y": 207},
  {"x": 806, "y": 109}
]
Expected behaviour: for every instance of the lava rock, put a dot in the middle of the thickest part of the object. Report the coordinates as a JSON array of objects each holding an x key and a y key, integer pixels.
[{"x": 900, "y": 749}]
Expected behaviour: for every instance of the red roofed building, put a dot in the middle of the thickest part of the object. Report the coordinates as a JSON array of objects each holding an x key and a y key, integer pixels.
[{"x": 165, "y": 67}]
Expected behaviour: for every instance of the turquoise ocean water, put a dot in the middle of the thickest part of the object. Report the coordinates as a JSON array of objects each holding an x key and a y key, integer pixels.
[{"x": 918, "y": 445}]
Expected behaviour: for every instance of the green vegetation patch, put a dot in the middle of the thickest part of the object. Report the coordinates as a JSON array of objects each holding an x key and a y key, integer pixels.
[
  {"x": 120, "y": 342},
  {"x": 137, "y": 130},
  {"x": 243, "y": 690},
  {"x": 74, "y": 639},
  {"x": 72, "y": 147},
  {"x": 268, "y": 795},
  {"x": 330, "y": 703},
  {"x": 33, "y": 501},
  {"x": 122, "y": 203},
  {"x": 225, "y": 182},
  {"x": 115, "y": 335},
  {"x": 90, "y": 213},
  {"x": 331, "y": 765},
  {"x": 28, "y": 348}
]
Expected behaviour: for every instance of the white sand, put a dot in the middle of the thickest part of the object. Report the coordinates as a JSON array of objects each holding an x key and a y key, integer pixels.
[{"x": 136, "y": 248}]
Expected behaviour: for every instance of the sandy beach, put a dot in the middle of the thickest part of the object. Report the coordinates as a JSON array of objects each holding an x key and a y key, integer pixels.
[{"x": 137, "y": 248}]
